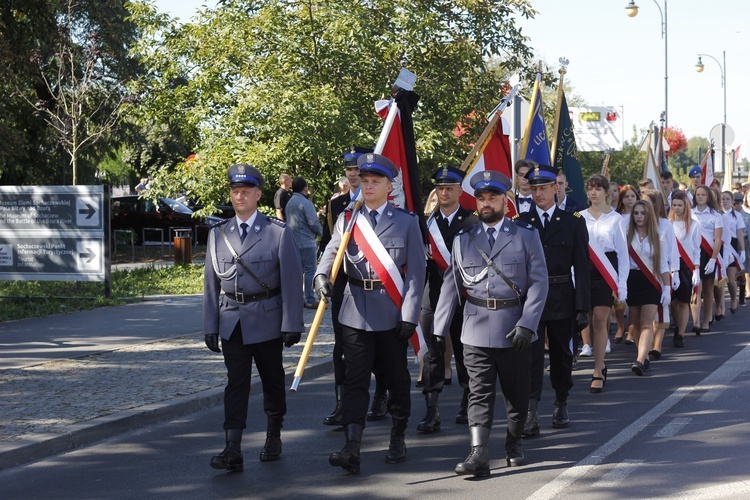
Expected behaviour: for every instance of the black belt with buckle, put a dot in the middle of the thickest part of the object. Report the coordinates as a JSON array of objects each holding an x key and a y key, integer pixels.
[
  {"x": 241, "y": 298},
  {"x": 563, "y": 278},
  {"x": 366, "y": 284},
  {"x": 492, "y": 303}
]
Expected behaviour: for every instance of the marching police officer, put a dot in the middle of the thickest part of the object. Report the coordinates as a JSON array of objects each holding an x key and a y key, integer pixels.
[
  {"x": 500, "y": 265},
  {"x": 443, "y": 225},
  {"x": 259, "y": 311},
  {"x": 565, "y": 240},
  {"x": 381, "y": 305}
]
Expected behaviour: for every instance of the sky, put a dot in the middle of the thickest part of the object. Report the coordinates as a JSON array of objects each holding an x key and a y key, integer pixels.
[{"x": 615, "y": 60}]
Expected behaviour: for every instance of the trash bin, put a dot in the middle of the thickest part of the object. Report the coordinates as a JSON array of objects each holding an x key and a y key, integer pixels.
[{"x": 183, "y": 247}]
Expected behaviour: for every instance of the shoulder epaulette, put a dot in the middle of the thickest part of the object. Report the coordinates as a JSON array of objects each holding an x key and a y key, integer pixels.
[
  {"x": 514, "y": 217},
  {"x": 577, "y": 214},
  {"x": 468, "y": 228},
  {"x": 221, "y": 222},
  {"x": 522, "y": 224},
  {"x": 276, "y": 221}
]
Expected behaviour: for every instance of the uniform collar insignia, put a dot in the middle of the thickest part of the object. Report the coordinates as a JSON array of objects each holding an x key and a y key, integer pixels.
[
  {"x": 257, "y": 228},
  {"x": 389, "y": 213},
  {"x": 506, "y": 230},
  {"x": 231, "y": 229}
]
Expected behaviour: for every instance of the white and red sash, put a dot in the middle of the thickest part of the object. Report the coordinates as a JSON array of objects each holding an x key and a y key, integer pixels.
[
  {"x": 387, "y": 271},
  {"x": 662, "y": 312},
  {"x": 439, "y": 250},
  {"x": 603, "y": 265},
  {"x": 705, "y": 245},
  {"x": 736, "y": 257},
  {"x": 686, "y": 259}
]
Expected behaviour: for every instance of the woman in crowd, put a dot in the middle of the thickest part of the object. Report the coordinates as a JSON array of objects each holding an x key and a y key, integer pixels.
[
  {"x": 673, "y": 258},
  {"x": 688, "y": 239},
  {"x": 625, "y": 202},
  {"x": 745, "y": 211},
  {"x": 648, "y": 281},
  {"x": 706, "y": 212},
  {"x": 609, "y": 273},
  {"x": 734, "y": 249}
]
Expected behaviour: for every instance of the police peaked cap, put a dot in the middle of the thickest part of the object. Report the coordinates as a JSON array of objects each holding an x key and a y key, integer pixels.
[
  {"x": 490, "y": 180},
  {"x": 351, "y": 156},
  {"x": 243, "y": 174},
  {"x": 541, "y": 174},
  {"x": 371, "y": 163},
  {"x": 448, "y": 175}
]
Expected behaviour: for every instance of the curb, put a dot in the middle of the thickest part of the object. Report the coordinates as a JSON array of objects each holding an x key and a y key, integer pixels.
[{"x": 85, "y": 433}]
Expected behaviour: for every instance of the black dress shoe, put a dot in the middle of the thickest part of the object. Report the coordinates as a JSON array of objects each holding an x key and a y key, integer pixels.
[
  {"x": 654, "y": 354},
  {"x": 637, "y": 368},
  {"x": 679, "y": 340},
  {"x": 719, "y": 317},
  {"x": 618, "y": 339},
  {"x": 697, "y": 330}
]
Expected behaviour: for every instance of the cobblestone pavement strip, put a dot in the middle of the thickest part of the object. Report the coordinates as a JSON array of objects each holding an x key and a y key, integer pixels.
[{"x": 45, "y": 398}]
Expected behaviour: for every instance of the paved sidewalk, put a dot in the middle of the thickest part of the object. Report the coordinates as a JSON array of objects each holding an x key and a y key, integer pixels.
[{"x": 70, "y": 380}]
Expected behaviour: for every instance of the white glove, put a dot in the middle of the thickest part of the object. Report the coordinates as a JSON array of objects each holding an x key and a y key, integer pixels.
[
  {"x": 675, "y": 280},
  {"x": 742, "y": 257},
  {"x": 710, "y": 266},
  {"x": 666, "y": 296},
  {"x": 622, "y": 294},
  {"x": 696, "y": 277}
]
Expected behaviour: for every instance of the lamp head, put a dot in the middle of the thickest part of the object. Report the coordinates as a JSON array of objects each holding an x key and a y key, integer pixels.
[
  {"x": 699, "y": 65},
  {"x": 631, "y": 9}
]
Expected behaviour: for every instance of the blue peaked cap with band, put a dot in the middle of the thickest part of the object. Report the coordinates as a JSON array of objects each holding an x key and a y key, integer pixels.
[
  {"x": 351, "y": 156},
  {"x": 695, "y": 171},
  {"x": 490, "y": 180},
  {"x": 541, "y": 174},
  {"x": 449, "y": 175},
  {"x": 243, "y": 174},
  {"x": 371, "y": 163}
]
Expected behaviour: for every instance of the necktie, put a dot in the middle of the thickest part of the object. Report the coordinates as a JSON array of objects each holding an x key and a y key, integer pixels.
[
  {"x": 491, "y": 236},
  {"x": 374, "y": 218},
  {"x": 545, "y": 219},
  {"x": 244, "y": 232},
  {"x": 442, "y": 223}
]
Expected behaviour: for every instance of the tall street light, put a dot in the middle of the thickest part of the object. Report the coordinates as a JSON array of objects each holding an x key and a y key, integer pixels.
[
  {"x": 699, "y": 68},
  {"x": 632, "y": 10}
]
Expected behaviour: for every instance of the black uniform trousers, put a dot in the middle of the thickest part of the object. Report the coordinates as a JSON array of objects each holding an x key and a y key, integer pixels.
[
  {"x": 238, "y": 358},
  {"x": 361, "y": 349},
  {"x": 433, "y": 371},
  {"x": 559, "y": 335},
  {"x": 485, "y": 366},
  {"x": 337, "y": 298}
]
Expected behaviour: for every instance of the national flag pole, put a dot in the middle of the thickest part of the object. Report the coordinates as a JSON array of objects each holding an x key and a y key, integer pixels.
[
  {"x": 405, "y": 80},
  {"x": 532, "y": 109},
  {"x": 560, "y": 93}
]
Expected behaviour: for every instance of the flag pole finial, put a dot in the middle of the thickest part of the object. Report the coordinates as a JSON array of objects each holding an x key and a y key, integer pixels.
[{"x": 563, "y": 65}]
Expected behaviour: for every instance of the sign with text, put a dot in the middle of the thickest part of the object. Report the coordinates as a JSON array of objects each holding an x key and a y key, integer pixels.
[
  {"x": 52, "y": 233},
  {"x": 597, "y": 128}
]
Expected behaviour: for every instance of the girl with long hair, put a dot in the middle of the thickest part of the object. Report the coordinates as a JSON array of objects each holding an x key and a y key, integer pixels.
[
  {"x": 626, "y": 199},
  {"x": 648, "y": 281},
  {"x": 706, "y": 211},
  {"x": 607, "y": 242},
  {"x": 734, "y": 248},
  {"x": 688, "y": 237}
]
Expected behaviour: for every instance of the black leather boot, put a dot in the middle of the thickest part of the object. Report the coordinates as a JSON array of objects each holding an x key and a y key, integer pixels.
[
  {"x": 560, "y": 418},
  {"x": 348, "y": 457},
  {"x": 272, "y": 449},
  {"x": 431, "y": 421},
  {"x": 531, "y": 427},
  {"x": 379, "y": 408},
  {"x": 231, "y": 458},
  {"x": 335, "y": 417},
  {"x": 478, "y": 461},
  {"x": 397, "y": 447},
  {"x": 463, "y": 412},
  {"x": 513, "y": 444}
]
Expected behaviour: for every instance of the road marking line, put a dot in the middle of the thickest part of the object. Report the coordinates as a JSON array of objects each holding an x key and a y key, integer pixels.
[
  {"x": 561, "y": 483},
  {"x": 673, "y": 427},
  {"x": 711, "y": 492},
  {"x": 618, "y": 474},
  {"x": 720, "y": 380}
]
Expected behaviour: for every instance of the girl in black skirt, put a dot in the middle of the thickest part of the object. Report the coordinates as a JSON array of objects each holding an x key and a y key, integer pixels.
[
  {"x": 734, "y": 227},
  {"x": 688, "y": 235},
  {"x": 648, "y": 281},
  {"x": 706, "y": 211}
]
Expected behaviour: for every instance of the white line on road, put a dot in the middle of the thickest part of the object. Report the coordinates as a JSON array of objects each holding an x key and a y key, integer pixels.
[
  {"x": 721, "y": 379},
  {"x": 711, "y": 492},
  {"x": 561, "y": 483},
  {"x": 618, "y": 474},
  {"x": 673, "y": 427}
]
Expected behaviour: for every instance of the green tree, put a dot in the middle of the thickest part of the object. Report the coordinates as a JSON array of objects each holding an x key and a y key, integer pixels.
[{"x": 289, "y": 85}]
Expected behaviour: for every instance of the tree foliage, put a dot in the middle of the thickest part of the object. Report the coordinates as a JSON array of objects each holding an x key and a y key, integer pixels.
[{"x": 288, "y": 85}]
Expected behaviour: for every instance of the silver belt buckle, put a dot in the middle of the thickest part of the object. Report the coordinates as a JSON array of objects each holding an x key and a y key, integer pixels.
[
  {"x": 493, "y": 302},
  {"x": 368, "y": 285},
  {"x": 239, "y": 298}
]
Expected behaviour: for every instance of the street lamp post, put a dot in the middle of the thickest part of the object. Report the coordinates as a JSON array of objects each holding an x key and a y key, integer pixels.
[
  {"x": 632, "y": 10},
  {"x": 699, "y": 68}
]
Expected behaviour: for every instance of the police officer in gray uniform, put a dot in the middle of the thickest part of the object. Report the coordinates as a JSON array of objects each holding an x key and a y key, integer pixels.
[
  {"x": 501, "y": 267},
  {"x": 375, "y": 325},
  {"x": 259, "y": 311}
]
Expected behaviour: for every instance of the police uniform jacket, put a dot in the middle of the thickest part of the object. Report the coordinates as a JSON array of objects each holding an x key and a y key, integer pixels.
[
  {"x": 518, "y": 253},
  {"x": 565, "y": 241},
  {"x": 463, "y": 219},
  {"x": 270, "y": 252},
  {"x": 374, "y": 310}
]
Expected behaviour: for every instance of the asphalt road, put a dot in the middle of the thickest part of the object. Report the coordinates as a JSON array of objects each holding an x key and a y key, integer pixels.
[{"x": 681, "y": 431}]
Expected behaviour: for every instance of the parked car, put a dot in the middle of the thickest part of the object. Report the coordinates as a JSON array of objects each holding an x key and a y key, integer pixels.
[
  {"x": 136, "y": 213},
  {"x": 224, "y": 210}
]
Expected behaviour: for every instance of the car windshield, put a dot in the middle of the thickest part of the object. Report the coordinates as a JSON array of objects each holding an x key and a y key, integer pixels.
[{"x": 176, "y": 205}]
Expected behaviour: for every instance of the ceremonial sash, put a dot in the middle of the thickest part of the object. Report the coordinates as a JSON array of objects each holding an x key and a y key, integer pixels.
[
  {"x": 736, "y": 257},
  {"x": 705, "y": 245},
  {"x": 382, "y": 263},
  {"x": 662, "y": 312},
  {"x": 686, "y": 259},
  {"x": 603, "y": 265},
  {"x": 440, "y": 253}
]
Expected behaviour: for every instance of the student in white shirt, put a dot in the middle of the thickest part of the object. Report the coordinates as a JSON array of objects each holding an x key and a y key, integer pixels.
[
  {"x": 687, "y": 233},
  {"x": 706, "y": 211}
]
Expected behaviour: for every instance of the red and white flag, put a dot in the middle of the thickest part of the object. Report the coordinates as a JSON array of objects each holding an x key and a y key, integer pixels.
[{"x": 707, "y": 168}]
